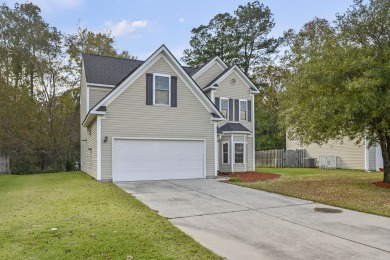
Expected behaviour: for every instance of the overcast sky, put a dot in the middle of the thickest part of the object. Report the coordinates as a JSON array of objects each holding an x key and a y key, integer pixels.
[{"x": 141, "y": 26}]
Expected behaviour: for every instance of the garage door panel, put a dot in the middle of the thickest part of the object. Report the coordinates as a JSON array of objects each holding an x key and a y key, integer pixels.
[{"x": 157, "y": 159}]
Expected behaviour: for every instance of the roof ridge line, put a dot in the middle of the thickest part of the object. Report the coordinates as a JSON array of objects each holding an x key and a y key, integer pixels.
[{"x": 113, "y": 57}]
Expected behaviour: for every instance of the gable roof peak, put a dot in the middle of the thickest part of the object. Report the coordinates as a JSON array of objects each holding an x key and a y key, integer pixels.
[
  {"x": 214, "y": 83},
  {"x": 209, "y": 64}
]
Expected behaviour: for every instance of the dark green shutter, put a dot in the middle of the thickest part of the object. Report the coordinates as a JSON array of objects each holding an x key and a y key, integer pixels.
[
  {"x": 173, "y": 91},
  {"x": 217, "y": 102},
  {"x": 237, "y": 110},
  {"x": 149, "y": 89},
  {"x": 230, "y": 109},
  {"x": 249, "y": 111}
]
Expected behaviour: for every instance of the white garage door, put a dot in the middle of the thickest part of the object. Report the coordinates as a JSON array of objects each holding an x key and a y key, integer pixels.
[{"x": 135, "y": 160}]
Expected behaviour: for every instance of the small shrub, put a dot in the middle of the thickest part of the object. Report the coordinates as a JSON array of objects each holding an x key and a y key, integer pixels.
[
  {"x": 235, "y": 179},
  {"x": 69, "y": 166}
]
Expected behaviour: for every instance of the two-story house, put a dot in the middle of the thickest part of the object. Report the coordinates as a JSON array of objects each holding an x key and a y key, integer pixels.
[{"x": 156, "y": 119}]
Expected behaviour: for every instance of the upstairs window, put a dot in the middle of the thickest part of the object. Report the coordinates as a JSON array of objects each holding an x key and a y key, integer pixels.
[
  {"x": 224, "y": 107},
  {"x": 162, "y": 88},
  {"x": 243, "y": 110}
]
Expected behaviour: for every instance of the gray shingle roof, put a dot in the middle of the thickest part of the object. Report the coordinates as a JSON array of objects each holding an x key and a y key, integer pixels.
[
  {"x": 233, "y": 127},
  {"x": 110, "y": 70},
  {"x": 107, "y": 70},
  {"x": 190, "y": 70}
]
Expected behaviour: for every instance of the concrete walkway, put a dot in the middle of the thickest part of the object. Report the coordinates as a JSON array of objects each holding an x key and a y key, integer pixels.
[{"x": 242, "y": 223}]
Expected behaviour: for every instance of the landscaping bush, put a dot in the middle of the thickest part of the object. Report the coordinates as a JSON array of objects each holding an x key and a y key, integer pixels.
[{"x": 235, "y": 179}]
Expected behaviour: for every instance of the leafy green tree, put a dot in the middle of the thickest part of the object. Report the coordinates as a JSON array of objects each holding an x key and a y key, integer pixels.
[
  {"x": 340, "y": 79},
  {"x": 214, "y": 39},
  {"x": 86, "y": 41},
  {"x": 269, "y": 133},
  {"x": 25, "y": 41},
  {"x": 254, "y": 23},
  {"x": 19, "y": 128},
  {"x": 241, "y": 39},
  {"x": 39, "y": 93}
]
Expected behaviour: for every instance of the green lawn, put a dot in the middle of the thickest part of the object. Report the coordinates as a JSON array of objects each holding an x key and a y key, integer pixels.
[
  {"x": 90, "y": 220},
  {"x": 343, "y": 188}
]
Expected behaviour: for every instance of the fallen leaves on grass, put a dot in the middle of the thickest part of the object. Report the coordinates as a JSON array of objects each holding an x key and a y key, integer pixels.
[{"x": 346, "y": 189}]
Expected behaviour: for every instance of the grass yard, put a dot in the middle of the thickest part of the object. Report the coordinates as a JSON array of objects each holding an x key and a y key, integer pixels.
[
  {"x": 349, "y": 189},
  {"x": 71, "y": 216}
]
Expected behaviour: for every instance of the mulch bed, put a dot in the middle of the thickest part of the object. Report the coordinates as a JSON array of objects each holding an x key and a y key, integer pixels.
[
  {"x": 251, "y": 176},
  {"x": 382, "y": 184}
]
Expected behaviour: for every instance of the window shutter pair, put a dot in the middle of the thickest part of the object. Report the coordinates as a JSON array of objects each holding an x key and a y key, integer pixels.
[
  {"x": 149, "y": 90},
  {"x": 237, "y": 110}
]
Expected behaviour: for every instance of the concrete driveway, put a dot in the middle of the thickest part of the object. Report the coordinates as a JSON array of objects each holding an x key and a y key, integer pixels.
[{"x": 242, "y": 223}]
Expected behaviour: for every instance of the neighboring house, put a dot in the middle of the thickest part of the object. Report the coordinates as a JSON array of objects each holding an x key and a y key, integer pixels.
[
  {"x": 349, "y": 154},
  {"x": 156, "y": 119}
]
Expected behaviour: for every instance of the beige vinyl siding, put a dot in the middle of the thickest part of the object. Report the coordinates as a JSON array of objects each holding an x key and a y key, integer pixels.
[
  {"x": 250, "y": 150},
  {"x": 84, "y": 153},
  {"x": 206, "y": 77},
  {"x": 208, "y": 94},
  {"x": 92, "y": 143},
  {"x": 97, "y": 94},
  {"x": 239, "y": 90},
  {"x": 350, "y": 155},
  {"x": 129, "y": 116},
  {"x": 89, "y": 149}
]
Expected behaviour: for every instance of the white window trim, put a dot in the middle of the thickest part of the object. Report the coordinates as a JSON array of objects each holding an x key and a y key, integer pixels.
[
  {"x": 220, "y": 106},
  {"x": 243, "y": 152},
  {"x": 239, "y": 109},
  {"x": 154, "y": 89},
  {"x": 228, "y": 153}
]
